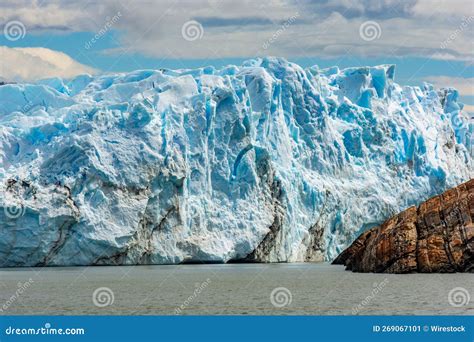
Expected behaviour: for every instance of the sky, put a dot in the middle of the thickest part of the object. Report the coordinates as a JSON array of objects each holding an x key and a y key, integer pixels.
[{"x": 428, "y": 40}]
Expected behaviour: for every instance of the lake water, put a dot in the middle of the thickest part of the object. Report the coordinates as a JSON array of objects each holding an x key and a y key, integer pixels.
[{"x": 241, "y": 289}]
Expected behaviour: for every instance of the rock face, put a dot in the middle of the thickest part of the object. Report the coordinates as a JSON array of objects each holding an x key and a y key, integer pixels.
[
  {"x": 438, "y": 236},
  {"x": 264, "y": 162}
]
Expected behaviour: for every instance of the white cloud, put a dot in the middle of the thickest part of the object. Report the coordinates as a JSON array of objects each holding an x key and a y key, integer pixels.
[
  {"x": 469, "y": 108},
  {"x": 422, "y": 28},
  {"x": 465, "y": 86},
  {"x": 29, "y": 64},
  {"x": 453, "y": 8}
]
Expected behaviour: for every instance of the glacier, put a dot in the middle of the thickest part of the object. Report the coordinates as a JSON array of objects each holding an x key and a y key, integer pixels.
[{"x": 263, "y": 162}]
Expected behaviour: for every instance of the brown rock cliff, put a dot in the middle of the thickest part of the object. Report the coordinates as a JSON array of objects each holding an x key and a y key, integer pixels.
[{"x": 438, "y": 236}]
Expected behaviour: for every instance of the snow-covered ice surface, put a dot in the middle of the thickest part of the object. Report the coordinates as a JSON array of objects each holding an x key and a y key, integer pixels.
[{"x": 262, "y": 162}]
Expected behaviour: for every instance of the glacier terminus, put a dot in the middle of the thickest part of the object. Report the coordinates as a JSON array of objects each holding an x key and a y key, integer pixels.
[{"x": 263, "y": 162}]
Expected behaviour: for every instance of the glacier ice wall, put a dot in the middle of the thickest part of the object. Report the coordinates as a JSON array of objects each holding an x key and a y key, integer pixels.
[{"x": 262, "y": 162}]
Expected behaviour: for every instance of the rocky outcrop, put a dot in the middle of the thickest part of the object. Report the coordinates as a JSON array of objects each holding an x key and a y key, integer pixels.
[{"x": 438, "y": 236}]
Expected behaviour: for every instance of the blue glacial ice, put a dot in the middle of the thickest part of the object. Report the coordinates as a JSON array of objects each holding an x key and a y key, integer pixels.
[{"x": 261, "y": 162}]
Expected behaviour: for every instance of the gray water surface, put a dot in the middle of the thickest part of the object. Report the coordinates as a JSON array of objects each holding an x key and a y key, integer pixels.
[{"x": 241, "y": 289}]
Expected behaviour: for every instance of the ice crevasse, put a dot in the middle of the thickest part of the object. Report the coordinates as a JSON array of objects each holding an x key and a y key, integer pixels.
[{"x": 265, "y": 162}]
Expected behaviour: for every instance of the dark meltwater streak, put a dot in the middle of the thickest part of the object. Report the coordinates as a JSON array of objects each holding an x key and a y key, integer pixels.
[{"x": 269, "y": 289}]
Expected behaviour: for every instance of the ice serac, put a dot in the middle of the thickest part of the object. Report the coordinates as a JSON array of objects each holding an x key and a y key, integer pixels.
[{"x": 265, "y": 162}]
